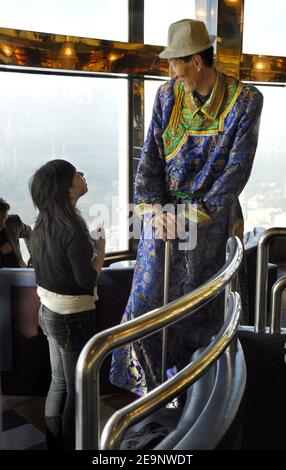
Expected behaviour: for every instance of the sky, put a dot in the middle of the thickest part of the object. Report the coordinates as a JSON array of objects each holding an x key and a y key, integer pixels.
[{"x": 264, "y": 27}]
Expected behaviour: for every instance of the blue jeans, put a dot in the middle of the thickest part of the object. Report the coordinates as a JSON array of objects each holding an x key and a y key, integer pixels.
[{"x": 67, "y": 334}]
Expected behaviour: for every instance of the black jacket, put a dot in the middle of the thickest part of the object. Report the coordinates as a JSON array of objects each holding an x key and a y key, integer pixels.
[{"x": 65, "y": 266}]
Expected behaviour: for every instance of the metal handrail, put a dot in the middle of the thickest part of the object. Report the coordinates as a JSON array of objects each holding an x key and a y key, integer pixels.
[
  {"x": 98, "y": 347},
  {"x": 131, "y": 414},
  {"x": 276, "y": 304},
  {"x": 262, "y": 276}
]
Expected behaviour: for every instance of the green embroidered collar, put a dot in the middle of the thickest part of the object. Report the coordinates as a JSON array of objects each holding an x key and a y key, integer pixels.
[
  {"x": 189, "y": 116},
  {"x": 211, "y": 107}
]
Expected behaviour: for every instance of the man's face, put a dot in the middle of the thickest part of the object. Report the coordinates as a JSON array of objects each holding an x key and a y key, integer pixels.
[
  {"x": 185, "y": 72},
  {"x": 3, "y": 218}
]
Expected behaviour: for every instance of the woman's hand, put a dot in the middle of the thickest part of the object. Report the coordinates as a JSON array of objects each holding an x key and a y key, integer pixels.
[
  {"x": 101, "y": 238},
  {"x": 99, "y": 235}
]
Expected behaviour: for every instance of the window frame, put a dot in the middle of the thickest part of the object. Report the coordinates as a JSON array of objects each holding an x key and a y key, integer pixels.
[{"x": 229, "y": 59}]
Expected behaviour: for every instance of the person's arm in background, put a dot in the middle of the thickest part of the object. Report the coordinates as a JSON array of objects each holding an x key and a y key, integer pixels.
[{"x": 25, "y": 232}]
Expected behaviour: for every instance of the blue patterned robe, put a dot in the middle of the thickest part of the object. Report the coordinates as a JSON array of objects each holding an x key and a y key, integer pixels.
[{"x": 201, "y": 153}]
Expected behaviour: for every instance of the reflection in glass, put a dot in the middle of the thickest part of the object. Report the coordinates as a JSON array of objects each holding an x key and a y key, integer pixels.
[
  {"x": 106, "y": 19},
  {"x": 264, "y": 197},
  {"x": 160, "y": 14},
  {"x": 264, "y": 27},
  {"x": 67, "y": 56},
  {"x": 82, "y": 120}
]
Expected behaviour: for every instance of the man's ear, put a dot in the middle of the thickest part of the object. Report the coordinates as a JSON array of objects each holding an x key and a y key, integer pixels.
[
  {"x": 198, "y": 62},
  {"x": 172, "y": 72}
]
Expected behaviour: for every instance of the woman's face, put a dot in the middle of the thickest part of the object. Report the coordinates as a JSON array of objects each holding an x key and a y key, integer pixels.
[{"x": 79, "y": 186}]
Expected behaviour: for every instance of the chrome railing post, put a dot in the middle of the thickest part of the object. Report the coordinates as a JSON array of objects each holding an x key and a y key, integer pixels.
[
  {"x": 262, "y": 276},
  {"x": 232, "y": 285},
  {"x": 166, "y": 300},
  {"x": 88, "y": 396},
  {"x": 276, "y": 304},
  {"x": 261, "y": 285}
]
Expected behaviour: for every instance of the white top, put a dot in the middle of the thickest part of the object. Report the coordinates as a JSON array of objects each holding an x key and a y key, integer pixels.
[{"x": 66, "y": 304}]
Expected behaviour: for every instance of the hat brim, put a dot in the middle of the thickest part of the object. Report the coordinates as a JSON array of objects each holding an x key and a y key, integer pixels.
[{"x": 169, "y": 53}]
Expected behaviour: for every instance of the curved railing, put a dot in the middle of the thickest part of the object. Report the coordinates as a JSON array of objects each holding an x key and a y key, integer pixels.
[
  {"x": 122, "y": 419},
  {"x": 276, "y": 305},
  {"x": 213, "y": 412},
  {"x": 98, "y": 347}
]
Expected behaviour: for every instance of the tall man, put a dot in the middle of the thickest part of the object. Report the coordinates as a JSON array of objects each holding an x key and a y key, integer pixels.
[{"x": 199, "y": 151}]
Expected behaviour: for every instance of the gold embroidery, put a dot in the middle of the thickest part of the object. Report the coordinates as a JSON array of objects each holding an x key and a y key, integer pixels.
[{"x": 189, "y": 118}]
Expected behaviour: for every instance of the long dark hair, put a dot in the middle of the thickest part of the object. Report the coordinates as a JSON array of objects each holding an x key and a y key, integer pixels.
[
  {"x": 4, "y": 206},
  {"x": 49, "y": 188}
]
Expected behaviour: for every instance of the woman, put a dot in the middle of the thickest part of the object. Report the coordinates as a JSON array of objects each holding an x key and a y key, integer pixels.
[{"x": 66, "y": 269}]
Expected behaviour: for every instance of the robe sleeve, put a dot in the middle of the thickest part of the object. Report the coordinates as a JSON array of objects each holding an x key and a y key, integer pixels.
[
  {"x": 238, "y": 168},
  {"x": 150, "y": 181}
]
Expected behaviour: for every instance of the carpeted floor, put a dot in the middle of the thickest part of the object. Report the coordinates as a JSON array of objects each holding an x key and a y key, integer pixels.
[
  {"x": 23, "y": 419},
  {"x": 18, "y": 433}
]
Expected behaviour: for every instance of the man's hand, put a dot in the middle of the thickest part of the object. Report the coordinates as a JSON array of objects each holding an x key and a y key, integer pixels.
[
  {"x": 6, "y": 248},
  {"x": 169, "y": 226},
  {"x": 165, "y": 226}
]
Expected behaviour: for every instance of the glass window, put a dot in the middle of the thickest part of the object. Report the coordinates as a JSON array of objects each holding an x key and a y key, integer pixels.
[
  {"x": 161, "y": 13},
  {"x": 82, "y": 120},
  {"x": 264, "y": 197},
  {"x": 264, "y": 27},
  {"x": 106, "y": 19}
]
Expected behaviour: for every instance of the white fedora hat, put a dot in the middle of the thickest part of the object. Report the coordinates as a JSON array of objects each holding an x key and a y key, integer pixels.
[{"x": 187, "y": 37}]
